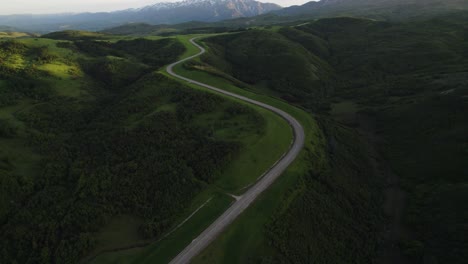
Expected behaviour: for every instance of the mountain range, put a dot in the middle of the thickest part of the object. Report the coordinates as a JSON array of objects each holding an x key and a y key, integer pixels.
[
  {"x": 228, "y": 13},
  {"x": 160, "y": 13}
]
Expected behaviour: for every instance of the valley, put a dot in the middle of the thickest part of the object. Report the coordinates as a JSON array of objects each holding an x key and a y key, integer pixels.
[{"x": 332, "y": 132}]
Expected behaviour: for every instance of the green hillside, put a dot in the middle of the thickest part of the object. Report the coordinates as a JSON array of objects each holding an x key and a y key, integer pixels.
[
  {"x": 92, "y": 140},
  {"x": 394, "y": 10},
  {"x": 396, "y": 87},
  {"x": 271, "y": 63}
]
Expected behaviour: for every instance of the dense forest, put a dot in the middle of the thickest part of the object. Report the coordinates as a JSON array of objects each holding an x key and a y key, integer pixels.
[
  {"x": 399, "y": 86},
  {"x": 127, "y": 144},
  {"x": 335, "y": 215}
]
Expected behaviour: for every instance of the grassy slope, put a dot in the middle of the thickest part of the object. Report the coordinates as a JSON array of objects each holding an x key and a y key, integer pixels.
[{"x": 65, "y": 75}]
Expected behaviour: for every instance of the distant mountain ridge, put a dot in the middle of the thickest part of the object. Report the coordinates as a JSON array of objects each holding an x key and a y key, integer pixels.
[
  {"x": 160, "y": 13},
  {"x": 380, "y": 9},
  {"x": 231, "y": 13},
  {"x": 243, "y": 7},
  {"x": 201, "y": 10}
]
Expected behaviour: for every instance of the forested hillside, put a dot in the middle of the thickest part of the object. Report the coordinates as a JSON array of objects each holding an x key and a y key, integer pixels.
[
  {"x": 398, "y": 87},
  {"x": 393, "y": 10},
  {"x": 88, "y": 132},
  {"x": 269, "y": 61},
  {"x": 409, "y": 82}
]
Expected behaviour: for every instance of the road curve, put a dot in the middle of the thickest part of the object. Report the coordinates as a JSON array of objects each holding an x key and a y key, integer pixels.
[{"x": 210, "y": 234}]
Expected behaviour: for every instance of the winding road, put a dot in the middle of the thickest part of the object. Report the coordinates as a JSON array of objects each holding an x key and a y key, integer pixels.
[{"x": 215, "y": 229}]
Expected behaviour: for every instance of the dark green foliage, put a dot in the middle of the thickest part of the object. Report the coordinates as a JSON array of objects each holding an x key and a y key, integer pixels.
[
  {"x": 334, "y": 215},
  {"x": 58, "y": 115},
  {"x": 25, "y": 84},
  {"x": 152, "y": 52},
  {"x": 42, "y": 55},
  {"x": 431, "y": 160},
  {"x": 106, "y": 168},
  {"x": 372, "y": 55},
  {"x": 394, "y": 10},
  {"x": 7, "y": 129},
  {"x": 311, "y": 42},
  {"x": 438, "y": 215},
  {"x": 266, "y": 58},
  {"x": 133, "y": 148},
  {"x": 8, "y": 185},
  {"x": 114, "y": 72},
  {"x": 411, "y": 80},
  {"x": 73, "y": 35},
  {"x": 97, "y": 48},
  {"x": 12, "y": 47},
  {"x": 22, "y": 87},
  {"x": 65, "y": 45}
]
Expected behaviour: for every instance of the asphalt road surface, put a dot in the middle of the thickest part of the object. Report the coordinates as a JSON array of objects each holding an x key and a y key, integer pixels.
[{"x": 215, "y": 229}]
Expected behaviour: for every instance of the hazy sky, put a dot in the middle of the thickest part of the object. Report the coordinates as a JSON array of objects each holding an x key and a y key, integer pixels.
[{"x": 57, "y": 6}]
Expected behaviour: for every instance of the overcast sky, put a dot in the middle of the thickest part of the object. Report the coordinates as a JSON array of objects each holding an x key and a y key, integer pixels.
[{"x": 58, "y": 6}]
